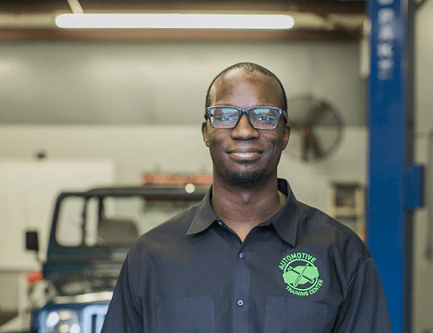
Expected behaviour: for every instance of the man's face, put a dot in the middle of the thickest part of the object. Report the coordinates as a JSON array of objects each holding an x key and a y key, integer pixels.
[{"x": 244, "y": 155}]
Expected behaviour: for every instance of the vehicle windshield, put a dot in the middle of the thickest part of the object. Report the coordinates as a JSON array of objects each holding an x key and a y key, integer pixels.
[{"x": 111, "y": 221}]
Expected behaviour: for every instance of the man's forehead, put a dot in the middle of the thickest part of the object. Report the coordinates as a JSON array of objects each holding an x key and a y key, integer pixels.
[
  {"x": 236, "y": 76},
  {"x": 228, "y": 82},
  {"x": 240, "y": 73}
]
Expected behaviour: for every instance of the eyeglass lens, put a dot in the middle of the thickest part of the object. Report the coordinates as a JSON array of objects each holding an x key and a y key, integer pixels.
[{"x": 260, "y": 118}]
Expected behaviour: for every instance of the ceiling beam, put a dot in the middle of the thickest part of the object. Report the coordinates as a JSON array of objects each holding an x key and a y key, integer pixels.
[{"x": 319, "y": 7}]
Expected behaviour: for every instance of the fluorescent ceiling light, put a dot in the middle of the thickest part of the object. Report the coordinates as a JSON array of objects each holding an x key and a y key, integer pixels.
[{"x": 174, "y": 21}]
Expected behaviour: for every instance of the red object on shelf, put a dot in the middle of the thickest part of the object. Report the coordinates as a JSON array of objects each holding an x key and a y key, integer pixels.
[
  {"x": 158, "y": 178},
  {"x": 33, "y": 277}
]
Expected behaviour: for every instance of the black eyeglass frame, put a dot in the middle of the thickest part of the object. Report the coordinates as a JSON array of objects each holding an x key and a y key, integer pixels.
[{"x": 281, "y": 112}]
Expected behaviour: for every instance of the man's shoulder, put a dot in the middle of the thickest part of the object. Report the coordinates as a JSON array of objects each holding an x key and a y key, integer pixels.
[
  {"x": 319, "y": 218},
  {"x": 314, "y": 223},
  {"x": 175, "y": 227}
]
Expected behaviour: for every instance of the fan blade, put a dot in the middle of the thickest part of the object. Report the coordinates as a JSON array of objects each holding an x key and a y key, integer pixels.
[
  {"x": 305, "y": 147},
  {"x": 314, "y": 144},
  {"x": 304, "y": 132},
  {"x": 317, "y": 113}
]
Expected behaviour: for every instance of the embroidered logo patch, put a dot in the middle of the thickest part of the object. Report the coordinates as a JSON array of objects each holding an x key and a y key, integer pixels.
[{"x": 301, "y": 274}]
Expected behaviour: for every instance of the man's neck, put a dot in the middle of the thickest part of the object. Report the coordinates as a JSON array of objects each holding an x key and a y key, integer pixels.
[{"x": 244, "y": 207}]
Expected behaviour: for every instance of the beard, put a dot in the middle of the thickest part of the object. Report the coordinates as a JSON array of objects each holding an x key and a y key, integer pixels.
[{"x": 245, "y": 177}]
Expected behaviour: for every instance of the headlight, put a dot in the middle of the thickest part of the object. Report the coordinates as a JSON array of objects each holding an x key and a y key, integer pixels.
[{"x": 62, "y": 321}]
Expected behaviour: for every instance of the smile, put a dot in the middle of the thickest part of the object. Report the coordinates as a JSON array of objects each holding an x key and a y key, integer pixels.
[{"x": 245, "y": 154}]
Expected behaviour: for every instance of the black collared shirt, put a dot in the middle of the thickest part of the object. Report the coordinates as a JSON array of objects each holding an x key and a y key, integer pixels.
[{"x": 301, "y": 271}]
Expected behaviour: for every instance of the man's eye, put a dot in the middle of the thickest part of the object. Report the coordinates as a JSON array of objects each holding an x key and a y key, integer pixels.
[
  {"x": 225, "y": 118},
  {"x": 265, "y": 118}
]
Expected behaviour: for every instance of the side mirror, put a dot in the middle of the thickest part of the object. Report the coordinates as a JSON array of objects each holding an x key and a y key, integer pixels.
[{"x": 32, "y": 242}]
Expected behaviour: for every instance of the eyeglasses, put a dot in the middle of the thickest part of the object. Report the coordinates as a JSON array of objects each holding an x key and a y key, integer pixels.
[{"x": 260, "y": 117}]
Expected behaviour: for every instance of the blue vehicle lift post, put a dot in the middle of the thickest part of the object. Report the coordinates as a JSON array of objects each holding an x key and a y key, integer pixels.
[{"x": 394, "y": 182}]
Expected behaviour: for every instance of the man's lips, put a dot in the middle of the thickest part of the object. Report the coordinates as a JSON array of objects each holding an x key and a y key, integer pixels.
[{"x": 245, "y": 153}]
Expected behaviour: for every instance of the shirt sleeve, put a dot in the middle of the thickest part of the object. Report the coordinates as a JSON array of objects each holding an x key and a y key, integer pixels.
[
  {"x": 364, "y": 309},
  {"x": 124, "y": 315}
]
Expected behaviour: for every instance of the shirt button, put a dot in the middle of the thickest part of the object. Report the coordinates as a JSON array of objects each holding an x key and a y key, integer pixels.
[
  {"x": 241, "y": 255},
  {"x": 220, "y": 223},
  {"x": 240, "y": 302}
]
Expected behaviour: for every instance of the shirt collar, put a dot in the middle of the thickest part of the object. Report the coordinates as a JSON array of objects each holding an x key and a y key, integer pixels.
[
  {"x": 204, "y": 215},
  {"x": 285, "y": 221}
]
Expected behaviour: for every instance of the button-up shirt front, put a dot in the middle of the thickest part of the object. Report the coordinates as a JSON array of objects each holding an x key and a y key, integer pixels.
[{"x": 300, "y": 271}]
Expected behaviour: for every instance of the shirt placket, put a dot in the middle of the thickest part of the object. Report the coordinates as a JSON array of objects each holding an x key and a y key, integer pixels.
[{"x": 241, "y": 293}]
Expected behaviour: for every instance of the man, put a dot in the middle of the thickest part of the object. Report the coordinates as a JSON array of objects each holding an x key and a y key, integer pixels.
[{"x": 249, "y": 257}]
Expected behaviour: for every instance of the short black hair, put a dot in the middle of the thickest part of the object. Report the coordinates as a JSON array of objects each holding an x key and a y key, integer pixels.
[{"x": 248, "y": 67}]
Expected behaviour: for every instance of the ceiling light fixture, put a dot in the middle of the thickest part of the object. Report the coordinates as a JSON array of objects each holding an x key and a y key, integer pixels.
[{"x": 174, "y": 21}]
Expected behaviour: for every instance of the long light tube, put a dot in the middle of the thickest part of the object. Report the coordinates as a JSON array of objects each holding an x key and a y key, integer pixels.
[{"x": 174, "y": 21}]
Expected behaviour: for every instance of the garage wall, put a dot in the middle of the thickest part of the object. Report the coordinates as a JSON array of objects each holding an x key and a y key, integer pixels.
[
  {"x": 423, "y": 222},
  {"x": 154, "y": 83}
]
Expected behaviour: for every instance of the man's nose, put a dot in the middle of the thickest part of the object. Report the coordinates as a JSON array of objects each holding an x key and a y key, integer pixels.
[{"x": 244, "y": 130}]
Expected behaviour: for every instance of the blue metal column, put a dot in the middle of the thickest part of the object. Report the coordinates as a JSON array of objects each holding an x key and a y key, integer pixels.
[{"x": 394, "y": 183}]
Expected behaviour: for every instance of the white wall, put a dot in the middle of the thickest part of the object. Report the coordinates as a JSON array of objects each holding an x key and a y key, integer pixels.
[
  {"x": 154, "y": 83},
  {"x": 423, "y": 243},
  {"x": 424, "y": 67},
  {"x": 423, "y": 222}
]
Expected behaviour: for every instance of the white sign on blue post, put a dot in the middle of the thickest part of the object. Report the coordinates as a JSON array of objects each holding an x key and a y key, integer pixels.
[{"x": 386, "y": 20}]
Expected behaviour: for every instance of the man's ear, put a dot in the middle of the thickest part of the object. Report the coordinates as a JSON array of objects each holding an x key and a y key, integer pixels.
[
  {"x": 286, "y": 135},
  {"x": 204, "y": 133}
]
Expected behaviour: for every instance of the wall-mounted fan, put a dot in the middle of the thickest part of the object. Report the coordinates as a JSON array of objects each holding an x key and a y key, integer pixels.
[{"x": 316, "y": 127}]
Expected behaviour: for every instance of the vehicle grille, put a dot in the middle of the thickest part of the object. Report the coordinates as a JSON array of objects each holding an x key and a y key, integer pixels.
[{"x": 93, "y": 318}]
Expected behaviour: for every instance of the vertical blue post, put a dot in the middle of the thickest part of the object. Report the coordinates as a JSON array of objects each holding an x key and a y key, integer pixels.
[{"x": 390, "y": 153}]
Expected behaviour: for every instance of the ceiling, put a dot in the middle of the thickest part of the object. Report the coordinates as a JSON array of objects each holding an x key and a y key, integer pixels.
[{"x": 324, "y": 20}]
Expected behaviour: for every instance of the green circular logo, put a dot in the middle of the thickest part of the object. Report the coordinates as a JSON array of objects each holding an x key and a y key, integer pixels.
[{"x": 301, "y": 274}]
